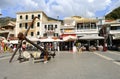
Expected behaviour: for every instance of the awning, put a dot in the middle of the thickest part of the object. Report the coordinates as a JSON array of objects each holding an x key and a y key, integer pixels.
[
  {"x": 64, "y": 35},
  {"x": 5, "y": 41},
  {"x": 50, "y": 40},
  {"x": 33, "y": 39},
  {"x": 14, "y": 41},
  {"x": 69, "y": 38},
  {"x": 2, "y": 38},
  {"x": 90, "y": 38}
]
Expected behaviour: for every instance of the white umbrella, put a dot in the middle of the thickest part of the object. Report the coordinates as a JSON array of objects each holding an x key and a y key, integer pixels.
[
  {"x": 33, "y": 39},
  {"x": 47, "y": 40},
  {"x": 69, "y": 38},
  {"x": 14, "y": 41},
  {"x": 5, "y": 41}
]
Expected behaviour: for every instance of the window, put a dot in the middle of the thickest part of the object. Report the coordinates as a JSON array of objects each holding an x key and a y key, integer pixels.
[
  {"x": 32, "y": 33},
  {"x": 87, "y": 26},
  {"x": 20, "y": 16},
  {"x": 45, "y": 26},
  {"x": 38, "y": 33},
  {"x": 32, "y": 27},
  {"x": 93, "y": 26},
  {"x": 56, "y": 34},
  {"x": 48, "y": 27},
  {"x": 115, "y": 28},
  {"x": 80, "y": 26},
  {"x": 51, "y": 27},
  {"x": 38, "y": 16},
  {"x": 26, "y": 25},
  {"x": 55, "y": 26},
  {"x": 26, "y": 17},
  {"x": 12, "y": 35},
  {"x": 38, "y": 24},
  {"x": 20, "y": 25},
  {"x": 32, "y": 16},
  {"x": 45, "y": 34}
]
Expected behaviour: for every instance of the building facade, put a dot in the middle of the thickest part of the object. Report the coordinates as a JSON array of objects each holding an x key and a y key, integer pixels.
[
  {"x": 51, "y": 29},
  {"x": 8, "y": 30},
  {"x": 87, "y": 32},
  {"x": 82, "y": 30},
  {"x": 43, "y": 25},
  {"x": 111, "y": 30},
  {"x": 68, "y": 29}
]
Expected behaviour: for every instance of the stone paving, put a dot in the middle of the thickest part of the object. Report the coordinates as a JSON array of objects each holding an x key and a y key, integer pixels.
[{"x": 66, "y": 65}]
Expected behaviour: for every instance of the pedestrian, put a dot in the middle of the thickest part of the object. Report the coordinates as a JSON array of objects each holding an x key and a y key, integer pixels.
[
  {"x": 45, "y": 54},
  {"x": 14, "y": 48},
  {"x": 24, "y": 46},
  {"x": 74, "y": 49}
]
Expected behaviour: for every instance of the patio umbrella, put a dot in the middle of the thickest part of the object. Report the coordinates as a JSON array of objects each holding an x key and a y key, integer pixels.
[{"x": 5, "y": 41}]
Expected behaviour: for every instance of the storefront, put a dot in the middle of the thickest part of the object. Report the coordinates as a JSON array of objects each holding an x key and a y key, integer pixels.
[{"x": 68, "y": 42}]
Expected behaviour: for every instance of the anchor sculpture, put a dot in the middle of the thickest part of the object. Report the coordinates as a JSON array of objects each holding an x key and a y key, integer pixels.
[{"x": 21, "y": 37}]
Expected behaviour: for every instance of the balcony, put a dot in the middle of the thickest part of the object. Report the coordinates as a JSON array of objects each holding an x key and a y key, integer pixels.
[
  {"x": 87, "y": 31},
  {"x": 114, "y": 31},
  {"x": 49, "y": 31}
]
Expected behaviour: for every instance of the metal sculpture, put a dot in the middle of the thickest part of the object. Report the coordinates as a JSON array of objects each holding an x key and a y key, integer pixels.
[{"x": 21, "y": 37}]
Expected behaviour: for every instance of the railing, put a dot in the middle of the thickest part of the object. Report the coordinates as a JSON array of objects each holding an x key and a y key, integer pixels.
[
  {"x": 87, "y": 31},
  {"x": 51, "y": 31},
  {"x": 114, "y": 31}
]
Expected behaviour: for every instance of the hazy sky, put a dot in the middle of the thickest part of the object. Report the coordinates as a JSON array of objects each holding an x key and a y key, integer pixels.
[{"x": 61, "y": 8}]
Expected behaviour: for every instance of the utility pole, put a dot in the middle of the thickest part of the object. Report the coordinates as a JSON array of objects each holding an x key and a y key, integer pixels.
[{"x": 105, "y": 38}]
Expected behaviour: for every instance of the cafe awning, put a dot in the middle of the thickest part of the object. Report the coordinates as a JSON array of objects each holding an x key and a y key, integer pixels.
[
  {"x": 50, "y": 40},
  {"x": 14, "y": 41},
  {"x": 90, "y": 38},
  {"x": 69, "y": 38}
]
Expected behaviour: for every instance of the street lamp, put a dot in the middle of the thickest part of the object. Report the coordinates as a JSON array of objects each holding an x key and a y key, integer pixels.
[{"x": 105, "y": 38}]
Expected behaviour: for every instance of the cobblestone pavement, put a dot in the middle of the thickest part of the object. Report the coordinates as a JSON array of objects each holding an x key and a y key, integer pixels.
[{"x": 66, "y": 65}]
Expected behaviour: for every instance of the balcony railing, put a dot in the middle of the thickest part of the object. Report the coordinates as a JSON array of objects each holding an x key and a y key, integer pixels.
[
  {"x": 114, "y": 31},
  {"x": 87, "y": 31},
  {"x": 49, "y": 31}
]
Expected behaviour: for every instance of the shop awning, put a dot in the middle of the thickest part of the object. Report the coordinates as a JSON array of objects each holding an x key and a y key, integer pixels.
[
  {"x": 50, "y": 40},
  {"x": 14, "y": 41},
  {"x": 33, "y": 39},
  {"x": 69, "y": 38},
  {"x": 90, "y": 38}
]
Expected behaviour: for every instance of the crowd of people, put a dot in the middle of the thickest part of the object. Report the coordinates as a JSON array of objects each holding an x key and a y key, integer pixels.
[
  {"x": 6, "y": 47},
  {"x": 81, "y": 47}
]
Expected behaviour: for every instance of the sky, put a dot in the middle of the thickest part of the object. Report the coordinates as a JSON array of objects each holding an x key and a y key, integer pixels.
[{"x": 61, "y": 8}]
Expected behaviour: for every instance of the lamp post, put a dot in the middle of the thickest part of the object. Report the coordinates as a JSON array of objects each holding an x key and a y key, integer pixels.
[{"x": 105, "y": 38}]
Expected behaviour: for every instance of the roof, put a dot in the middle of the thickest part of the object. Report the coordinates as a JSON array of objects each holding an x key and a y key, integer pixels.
[
  {"x": 80, "y": 19},
  {"x": 29, "y": 12},
  {"x": 112, "y": 21},
  {"x": 49, "y": 18},
  {"x": 85, "y": 20},
  {"x": 9, "y": 23}
]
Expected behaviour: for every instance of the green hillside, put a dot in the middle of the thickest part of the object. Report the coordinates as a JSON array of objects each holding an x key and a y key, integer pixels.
[
  {"x": 5, "y": 20},
  {"x": 115, "y": 14}
]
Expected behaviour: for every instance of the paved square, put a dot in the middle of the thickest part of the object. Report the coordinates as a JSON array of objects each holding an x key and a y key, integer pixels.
[{"x": 65, "y": 65}]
